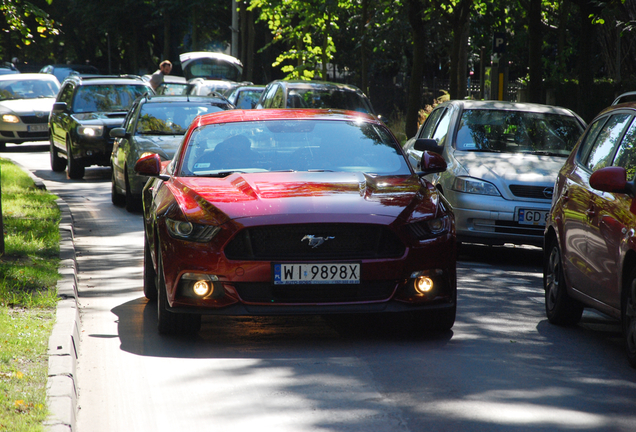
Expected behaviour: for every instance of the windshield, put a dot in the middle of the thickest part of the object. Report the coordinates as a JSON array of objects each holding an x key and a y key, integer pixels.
[
  {"x": 517, "y": 132},
  {"x": 292, "y": 145},
  {"x": 324, "y": 98},
  {"x": 170, "y": 118},
  {"x": 28, "y": 89},
  {"x": 107, "y": 97}
]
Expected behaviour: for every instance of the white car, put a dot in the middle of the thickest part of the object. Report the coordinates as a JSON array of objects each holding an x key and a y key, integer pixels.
[
  {"x": 503, "y": 159},
  {"x": 25, "y": 104}
]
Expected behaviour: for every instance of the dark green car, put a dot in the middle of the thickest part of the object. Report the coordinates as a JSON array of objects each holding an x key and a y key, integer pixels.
[
  {"x": 84, "y": 112},
  {"x": 155, "y": 124}
]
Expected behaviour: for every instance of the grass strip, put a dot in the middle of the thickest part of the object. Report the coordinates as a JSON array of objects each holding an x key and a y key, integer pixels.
[{"x": 28, "y": 278}]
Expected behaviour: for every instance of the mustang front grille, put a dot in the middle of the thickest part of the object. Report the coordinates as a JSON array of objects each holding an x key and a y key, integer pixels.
[
  {"x": 314, "y": 241},
  {"x": 256, "y": 292}
]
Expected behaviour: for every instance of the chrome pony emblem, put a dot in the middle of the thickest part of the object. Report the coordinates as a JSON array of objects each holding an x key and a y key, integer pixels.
[{"x": 314, "y": 241}]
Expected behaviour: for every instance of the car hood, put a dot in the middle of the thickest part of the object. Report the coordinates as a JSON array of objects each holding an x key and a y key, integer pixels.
[
  {"x": 107, "y": 118},
  {"x": 166, "y": 145},
  {"x": 304, "y": 197},
  {"x": 509, "y": 167},
  {"x": 28, "y": 106}
]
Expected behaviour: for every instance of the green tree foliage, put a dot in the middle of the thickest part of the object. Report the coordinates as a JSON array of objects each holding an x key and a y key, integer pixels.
[
  {"x": 25, "y": 23},
  {"x": 305, "y": 27}
]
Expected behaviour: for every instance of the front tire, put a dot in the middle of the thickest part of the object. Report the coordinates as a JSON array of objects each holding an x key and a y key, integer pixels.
[
  {"x": 560, "y": 308},
  {"x": 133, "y": 203},
  {"x": 117, "y": 199},
  {"x": 58, "y": 164},
  {"x": 629, "y": 317},
  {"x": 74, "y": 169},
  {"x": 172, "y": 322}
]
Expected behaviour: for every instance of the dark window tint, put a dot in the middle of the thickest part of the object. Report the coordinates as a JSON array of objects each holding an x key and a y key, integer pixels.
[
  {"x": 602, "y": 150},
  {"x": 107, "y": 97}
]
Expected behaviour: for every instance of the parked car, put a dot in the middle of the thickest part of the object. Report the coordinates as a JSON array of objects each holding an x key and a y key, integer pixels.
[
  {"x": 314, "y": 94},
  {"x": 205, "y": 87},
  {"x": 284, "y": 212},
  {"x": 245, "y": 96},
  {"x": 503, "y": 159},
  {"x": 211, "y": 66},
  {"x": 171, "y": 85},
  {"x": 85, "y": 111},
  {"x": 590, "y": 247},
  {"x": 25, "y": 105},
  {"x": 61, "y": 71},
  {"x": 155, "y": 124}
]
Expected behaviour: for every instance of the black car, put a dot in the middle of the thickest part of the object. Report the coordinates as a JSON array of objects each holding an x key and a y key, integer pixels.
[
  {"x": 86, "y": 109},
  {"x": 155, "y": 124},
  {"x": 314, "y": 94}
]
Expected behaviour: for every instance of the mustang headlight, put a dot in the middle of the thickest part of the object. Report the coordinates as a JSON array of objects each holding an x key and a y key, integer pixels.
[
  {"x": 192, "y": 232},
  {"x": 430, "y": 228},
  {"x": 90, "y": 131},
  {"x": 473, "y": 186},
  {"x": 10, "y": 118}
]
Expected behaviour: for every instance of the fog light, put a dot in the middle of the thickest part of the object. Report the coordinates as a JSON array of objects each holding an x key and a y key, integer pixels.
[
  {"x": 201, "y": 288},
  {"x": 423, "y": 284}
]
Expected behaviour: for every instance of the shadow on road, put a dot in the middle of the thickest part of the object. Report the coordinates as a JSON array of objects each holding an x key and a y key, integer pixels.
[{"x": 264, "y": 337}]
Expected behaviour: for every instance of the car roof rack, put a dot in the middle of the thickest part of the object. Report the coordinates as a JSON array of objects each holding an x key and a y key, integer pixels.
[
  {"x": 625, "y": 97},
  {"x": 84, "y": 77}
]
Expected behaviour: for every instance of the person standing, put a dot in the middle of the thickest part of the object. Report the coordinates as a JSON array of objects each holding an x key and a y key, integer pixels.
[{"x": 157, "y": 78}]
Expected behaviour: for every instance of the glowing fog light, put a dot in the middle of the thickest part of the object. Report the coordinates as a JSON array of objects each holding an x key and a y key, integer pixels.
[
  {"x": 423, "y": 284},
  {"x": 198, "y": 284},
  {"x": 201, "y": 288}
]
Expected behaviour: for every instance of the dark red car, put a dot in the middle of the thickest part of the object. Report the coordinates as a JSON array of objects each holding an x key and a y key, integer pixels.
[
  {"x": 590, "y": 243},
  {"x": 281, "y": 212}
]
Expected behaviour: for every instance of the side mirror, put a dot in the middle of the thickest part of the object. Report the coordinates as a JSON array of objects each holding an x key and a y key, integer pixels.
[
  {"x": 59, "y": 107},
  {"x": 612, "y": 179},
  {"x": 149, "y": 165},
  {"x": 431, "y": 163},
  {"x": 118, "y": 133},
  {"x": 427, "y": 144}
]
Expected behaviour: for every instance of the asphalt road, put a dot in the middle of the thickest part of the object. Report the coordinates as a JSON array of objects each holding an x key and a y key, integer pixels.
[{"x": 503, "y": 367}]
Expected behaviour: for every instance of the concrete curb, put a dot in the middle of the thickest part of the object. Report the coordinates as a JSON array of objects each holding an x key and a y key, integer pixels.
[{"x": 61, "y": 389}]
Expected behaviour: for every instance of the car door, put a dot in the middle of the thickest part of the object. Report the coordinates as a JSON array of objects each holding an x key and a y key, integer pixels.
[
  {"x": 59, "y": 120},
  {"x": 121, "y": 146},
  {"x": 609, "y": 222},
  {"x": 580, "y": 211}
]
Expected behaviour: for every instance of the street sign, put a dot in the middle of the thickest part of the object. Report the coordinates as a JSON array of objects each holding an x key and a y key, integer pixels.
[{"x": 499, "y": 43}]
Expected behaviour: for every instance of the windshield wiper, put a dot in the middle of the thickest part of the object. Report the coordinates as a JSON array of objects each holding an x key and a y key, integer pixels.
[
  {"x": 319, "y": 170},
  {"x": 221, "y": 174},
  {"x": 546, "y": 153}
]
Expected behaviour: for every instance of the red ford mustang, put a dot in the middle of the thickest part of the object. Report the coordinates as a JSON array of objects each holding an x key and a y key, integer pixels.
[{"x": 286, "y": 212}]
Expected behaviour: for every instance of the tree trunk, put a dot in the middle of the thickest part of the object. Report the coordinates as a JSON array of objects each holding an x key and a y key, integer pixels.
[
  {"x": 416, "y": 20},
  {"x": 535, "y": 40},
  {"x": 364, "y": 79},
  {"x": 166, "y": 35}
]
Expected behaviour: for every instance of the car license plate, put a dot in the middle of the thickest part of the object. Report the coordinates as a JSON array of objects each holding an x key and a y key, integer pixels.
[
  {"x": 532, "y": 217},
  {"x": 38, "y": 128},
  {"x": 324, "y": 273}
]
